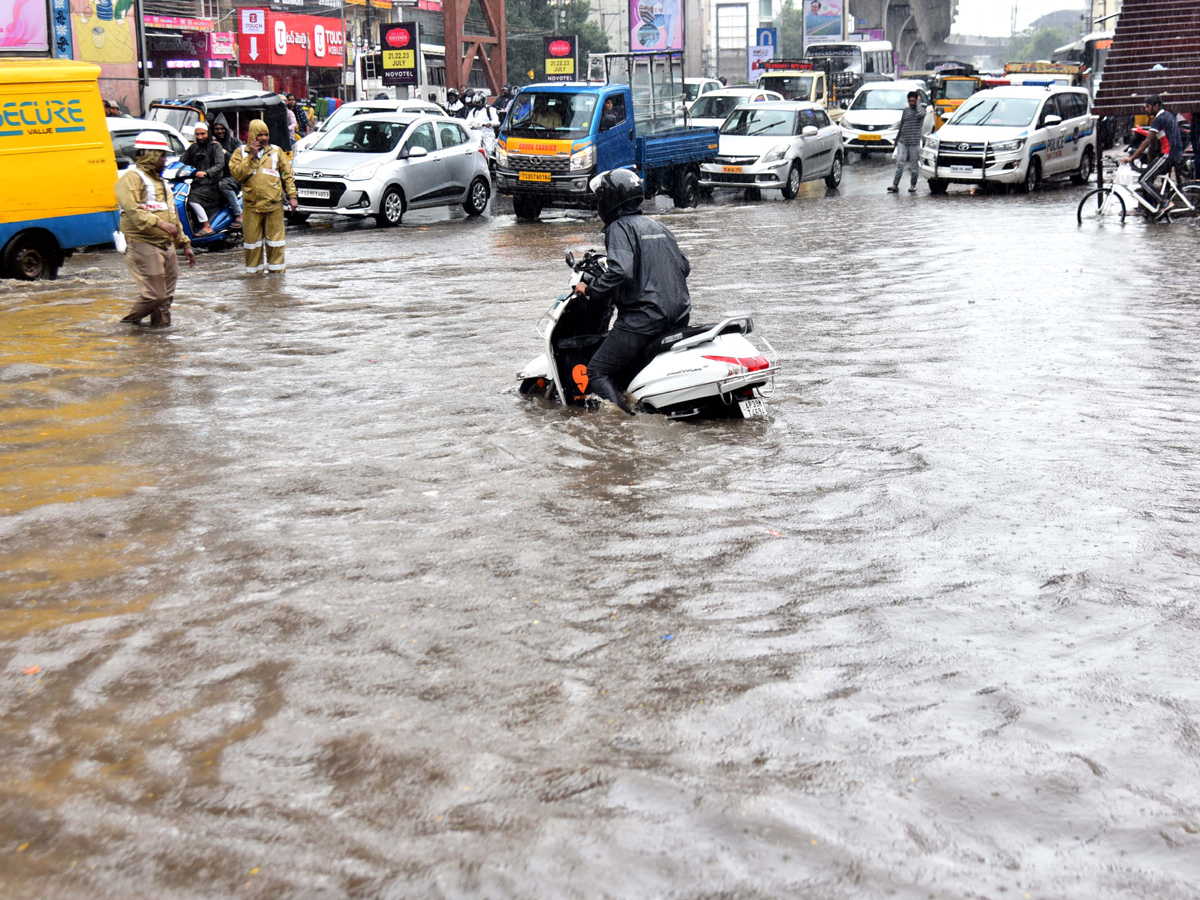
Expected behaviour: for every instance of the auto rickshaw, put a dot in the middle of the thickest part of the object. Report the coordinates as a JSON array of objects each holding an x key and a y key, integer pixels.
[
  {"x": 236, "y": 108},
  {"x": 950, "y": 92}
]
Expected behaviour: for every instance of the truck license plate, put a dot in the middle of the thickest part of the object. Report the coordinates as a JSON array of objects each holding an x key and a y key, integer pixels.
[
  {"x": 310, "y": 194},
  {"x": 752, "y": 409},
  {"x": 533, "y": 176},
  {"x": 736, "y": 170}
]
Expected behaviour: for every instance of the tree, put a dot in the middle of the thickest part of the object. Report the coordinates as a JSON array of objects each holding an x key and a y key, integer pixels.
[
  {"x": 1030, "y": 46},
  {"x": 530, "y": 21},
  {"x": 791, "y": 32}
]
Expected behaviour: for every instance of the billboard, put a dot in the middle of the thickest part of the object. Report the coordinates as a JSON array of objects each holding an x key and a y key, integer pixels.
[
  {"x": 272, "y": 38},
  {"x": 759, "y": 55},
  {"x": 823, "y": 20},
  {"x": 399, "y": 43},
  {"x": 25, "y": 26},
  {"x": 561, "y": 58},
  {"x": 655, "y": 25}
]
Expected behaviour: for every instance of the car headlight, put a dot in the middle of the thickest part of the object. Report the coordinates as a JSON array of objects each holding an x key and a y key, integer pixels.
[
  {"x": 501, "y": 155},
  {"x": 932, "y": 143},
  {"x": 584, "y": 159},
  {"x": 1009, "y": 146},
  {"x": 776, "y": 155},
  {"x": 364, "y": 173}
]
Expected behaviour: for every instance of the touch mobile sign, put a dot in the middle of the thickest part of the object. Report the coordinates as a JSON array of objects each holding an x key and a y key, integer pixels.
[
  {"x": 399, "y": 47},
  {"x": 282, "y": 39},
  {"x": 561, "y": 54}
]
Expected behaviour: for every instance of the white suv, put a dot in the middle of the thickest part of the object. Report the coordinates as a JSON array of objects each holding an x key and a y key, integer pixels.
[
  {"x": 384, "y": 165},
  {"x": 1013, "y": 136}
]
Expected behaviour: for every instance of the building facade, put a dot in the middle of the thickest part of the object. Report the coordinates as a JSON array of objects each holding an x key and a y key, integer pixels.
[{"x": 1104, "y": 14}]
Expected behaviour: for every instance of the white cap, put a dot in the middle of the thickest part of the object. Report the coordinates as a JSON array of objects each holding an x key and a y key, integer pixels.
[{"x": 151, "y": 140}]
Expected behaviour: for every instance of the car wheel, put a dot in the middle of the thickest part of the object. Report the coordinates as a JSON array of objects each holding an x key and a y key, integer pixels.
[
  {"x": 30, "y": 257},
  {"x": 477, "y": 197},
  {"x": 937, "y": 186},
  {"x": 391, "y": 208},
  {"x": 526, "y": 208},
  {"x": 1033, "y": 177},
  {"x": 834, "y": 178},
  {"x": 1084, "y": 174},
  {"x": 791, "y": 187},
  {"x": 687, "y": 194},
  {"x": 296, "y": 218}
]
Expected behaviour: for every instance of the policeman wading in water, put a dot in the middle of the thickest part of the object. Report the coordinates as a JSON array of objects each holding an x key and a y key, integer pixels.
[
  {"x": 151, "y": 229},
  {"x": 265, "y": 176}
]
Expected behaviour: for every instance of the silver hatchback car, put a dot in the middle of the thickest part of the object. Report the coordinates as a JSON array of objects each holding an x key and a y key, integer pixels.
[{"x": 384, "y": 165}]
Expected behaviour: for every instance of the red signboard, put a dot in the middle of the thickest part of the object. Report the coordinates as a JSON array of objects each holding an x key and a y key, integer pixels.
[
  {"x": 559, "y": 48},
  {"x": 290, "y": 40}
]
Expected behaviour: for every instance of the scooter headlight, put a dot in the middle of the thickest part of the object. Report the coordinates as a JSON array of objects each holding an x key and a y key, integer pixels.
[
  {"x": 583, "y": 160},
  {"x": 363, "y": 173},
  {"x": 776, "y": 154}
]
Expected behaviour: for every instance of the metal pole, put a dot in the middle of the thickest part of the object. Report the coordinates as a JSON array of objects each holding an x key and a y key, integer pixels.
[{"x": 345, "y": 46}]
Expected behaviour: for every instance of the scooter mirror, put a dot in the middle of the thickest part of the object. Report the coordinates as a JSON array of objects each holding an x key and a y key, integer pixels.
[{"x": 570, "y": 259}]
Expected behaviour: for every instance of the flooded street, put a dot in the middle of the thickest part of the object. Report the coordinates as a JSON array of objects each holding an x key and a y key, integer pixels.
[{"x": 301, "y": 599}]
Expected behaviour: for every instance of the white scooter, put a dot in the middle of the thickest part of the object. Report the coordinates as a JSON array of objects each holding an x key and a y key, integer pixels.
[{"x": 705, "y": 371}]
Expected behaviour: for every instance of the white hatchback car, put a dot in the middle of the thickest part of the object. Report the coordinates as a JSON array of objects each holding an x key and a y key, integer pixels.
[
  {"x": 698, "y": 87},
  {"x": 872, "y": 121},
  {"x": 124, "y": 130},
  {"x": 710, "y": 110},
  {"x": 385, "y": 165},
  {"x": 362, "y": 108},
  {"x": 775, "y": 146},
  {"x": 1014, "y": 136}
]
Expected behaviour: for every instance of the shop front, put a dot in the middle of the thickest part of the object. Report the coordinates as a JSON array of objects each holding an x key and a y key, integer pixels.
[
  {"x": 187, "y": 48},
  {"x": 291, "y": 53}
]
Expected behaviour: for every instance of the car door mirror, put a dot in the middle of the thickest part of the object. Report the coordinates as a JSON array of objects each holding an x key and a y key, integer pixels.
[
  {"x": 412, "y": 153},
  {"x": 809, "y": 131},
  {"x": 1052, "y": 120}
]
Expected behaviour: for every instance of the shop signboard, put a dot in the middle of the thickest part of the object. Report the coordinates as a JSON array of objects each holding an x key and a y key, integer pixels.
[
  {"x": 399, "y": 49},
  {"x": 655, "y": 25},
  {"x": 222, "y": 46},
  {"x": 24, "y": 27},
  {"x": 176, "y": 23},
  {"x": 562, "y": 54},
  {"x": 272, "y": 38},
  {"x": 759, "y": 55}
]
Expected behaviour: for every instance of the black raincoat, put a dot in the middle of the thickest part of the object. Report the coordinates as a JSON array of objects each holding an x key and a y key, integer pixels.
[
  {"x": 207, "y": 157},
  {"x": 646, "y": 276}
]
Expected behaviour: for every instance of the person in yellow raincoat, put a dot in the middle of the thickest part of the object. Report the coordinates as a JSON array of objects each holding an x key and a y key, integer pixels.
[
  {"x": 152, "y": 231},
  {"x": 266, "y": 179}
]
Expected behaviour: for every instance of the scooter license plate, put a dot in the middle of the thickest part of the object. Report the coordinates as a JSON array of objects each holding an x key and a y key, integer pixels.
[
  {"x": 533, "y": 176},
  {"x": 310, "y": 194},
  {"x": 752, "y": 409}
]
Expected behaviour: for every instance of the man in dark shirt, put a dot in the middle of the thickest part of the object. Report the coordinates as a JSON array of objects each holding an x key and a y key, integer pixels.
[
  {"x": 908, "y": 141},
  {"x": 646, "y": 279},
  {"x": 1163, "y": 126}
]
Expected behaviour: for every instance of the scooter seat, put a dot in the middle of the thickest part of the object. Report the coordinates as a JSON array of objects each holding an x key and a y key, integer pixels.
[{"x": 674, "y": 336}]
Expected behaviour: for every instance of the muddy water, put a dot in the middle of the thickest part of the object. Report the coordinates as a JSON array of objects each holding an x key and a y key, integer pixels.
[{"x": 302, "y": 600}]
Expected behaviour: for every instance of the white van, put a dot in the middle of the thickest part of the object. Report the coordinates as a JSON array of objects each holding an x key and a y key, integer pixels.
[{"x": 1014, "y": 135}]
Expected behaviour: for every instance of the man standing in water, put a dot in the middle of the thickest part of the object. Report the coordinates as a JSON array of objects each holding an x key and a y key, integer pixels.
[
  {"x": 151, "y": 229},
  {"x": 266, "y": 178},
  {"x": 908, "y": 142}
]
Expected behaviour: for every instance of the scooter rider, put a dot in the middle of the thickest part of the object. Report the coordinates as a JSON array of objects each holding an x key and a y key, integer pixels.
[
  {"x": 207, "y": 157},
  {"x": 646, "y": 278},
  {"x": 454, "y": 106}
]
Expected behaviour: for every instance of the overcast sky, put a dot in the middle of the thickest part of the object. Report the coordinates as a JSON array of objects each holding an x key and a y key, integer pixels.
[{"x": 995, "y": 16}]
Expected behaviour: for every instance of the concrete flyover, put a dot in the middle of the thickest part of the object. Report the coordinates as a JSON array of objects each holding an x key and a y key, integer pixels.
[{"x": 915, "y": 27}]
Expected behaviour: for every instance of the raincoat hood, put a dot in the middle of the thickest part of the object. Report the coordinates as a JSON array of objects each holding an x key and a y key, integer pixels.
[
  {"x": 257, "y": 127},
  {"x": 148, "y": 161}
]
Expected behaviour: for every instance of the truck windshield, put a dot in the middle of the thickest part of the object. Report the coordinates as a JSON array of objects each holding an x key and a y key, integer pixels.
[
  {"x": 751, "y": 122},
  {"x": 880, "y": 99},
  {"x": 793, "y": 87},
  {"x": 540, "y": 113},
  {"x": 363, "y": 137},
  {"x": 1010, "y": 112}
]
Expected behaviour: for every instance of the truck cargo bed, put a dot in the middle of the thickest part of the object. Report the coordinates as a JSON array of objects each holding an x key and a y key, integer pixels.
[{"x": 678, "y": 147}]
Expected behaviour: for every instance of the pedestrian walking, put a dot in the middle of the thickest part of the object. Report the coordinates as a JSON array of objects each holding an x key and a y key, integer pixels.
[
  {"x": 152, "y": 231},
  {"x": 301, "y": 115},
  {"x": 266, "y": 179},
  {"x": 908, "y": 142}
]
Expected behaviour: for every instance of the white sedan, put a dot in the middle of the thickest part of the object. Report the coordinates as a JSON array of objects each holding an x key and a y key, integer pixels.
[
  {"x": 778, "y": 146},
  {"x": 872, "y": 122},
  {"x": 710, "y": 110},
  {"x": 124, "y": 130}
]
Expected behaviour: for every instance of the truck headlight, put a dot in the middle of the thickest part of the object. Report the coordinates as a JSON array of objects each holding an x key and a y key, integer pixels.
[
  {"x": 775, "y": 155},
  {"x": 583, "y": 160},
  {"x": 501, "y": 155},
  {"x": 363, "y": 173},
  {"x": 1009, "y": 146}
]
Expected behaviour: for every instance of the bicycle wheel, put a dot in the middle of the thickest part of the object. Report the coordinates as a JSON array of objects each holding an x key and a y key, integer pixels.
[
  {"x": 1192, "y": 193},
  {"x": 1101, "y": 205}
]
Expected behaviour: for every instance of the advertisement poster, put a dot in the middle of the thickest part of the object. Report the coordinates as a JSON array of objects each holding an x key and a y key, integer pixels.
[
  {"x": 105, "y": 33},
  {"x": 823, "y": 21},
  {"x": 758, "y": 55},
  {"x": 561, "y": 58},
  {"x": 656, "y": 25},
  {"x": 399, "y": 43},
  {"x": 24, "y": 26},
  {"x": 272, "y": 38}
]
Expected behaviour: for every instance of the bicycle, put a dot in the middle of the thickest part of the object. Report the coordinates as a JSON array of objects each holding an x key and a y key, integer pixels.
[{"x": 1112, "y": 202}]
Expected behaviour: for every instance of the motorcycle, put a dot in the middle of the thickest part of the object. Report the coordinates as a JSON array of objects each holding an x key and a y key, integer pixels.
[
  {"x": 225, "y": 233},
  {"x": 698, "y": 371}
]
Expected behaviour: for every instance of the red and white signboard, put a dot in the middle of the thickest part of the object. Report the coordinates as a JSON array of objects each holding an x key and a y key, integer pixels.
[{"x": 283, "y": 39}]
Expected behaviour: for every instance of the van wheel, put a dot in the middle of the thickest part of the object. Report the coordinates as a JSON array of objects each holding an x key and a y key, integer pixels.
[
  {"x": 526, "y": 207},
  {"x": 937, "y": 186},
  {"x": 477, "y": 197},
  {"x": 1084, "y": 173},
  {"x": 1033, "y": 177},
  {"x": 834, "y": 178},
  {"x": 30, "y": 257},
  {"x": 391, "y": 208}
]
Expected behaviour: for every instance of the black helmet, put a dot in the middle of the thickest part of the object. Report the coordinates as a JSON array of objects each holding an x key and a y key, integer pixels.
[
  {"x": 618, "y": 192},
  {"x": 452, "y": 92}
]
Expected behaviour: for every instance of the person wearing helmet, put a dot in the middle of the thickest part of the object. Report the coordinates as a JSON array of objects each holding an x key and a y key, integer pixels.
[
  {"x": 152, "y": 231},
  {"x": 483, "y": 122},
  {"x": 646, "y": 279},
  {"x": 454, "y": 106},
  {"x": 266, "y": 179}
]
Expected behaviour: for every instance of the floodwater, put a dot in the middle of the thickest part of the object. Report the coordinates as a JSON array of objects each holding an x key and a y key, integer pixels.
[{"x": 302, "y": 600}]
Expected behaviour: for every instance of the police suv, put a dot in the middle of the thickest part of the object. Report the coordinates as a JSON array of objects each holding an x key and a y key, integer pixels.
[{"x": 1014, "y": 136}]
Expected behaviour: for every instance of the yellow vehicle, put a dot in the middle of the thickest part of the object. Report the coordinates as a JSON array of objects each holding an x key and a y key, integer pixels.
[
  {"x": 57, "y": 165},
  {"x": 950, "y": 93}
]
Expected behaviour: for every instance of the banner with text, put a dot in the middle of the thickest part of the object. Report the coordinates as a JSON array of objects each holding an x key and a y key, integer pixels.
[
  {"x": 562, "y": 58},
  {"x": 270, "y": 38},
  {"x": 399, "y": 43},
  {"x": 823, "y": 21}
]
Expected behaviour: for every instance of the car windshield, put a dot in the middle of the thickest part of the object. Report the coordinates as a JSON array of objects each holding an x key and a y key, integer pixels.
[
  {"x": 751, "y": 122},
  {"x": 880, "y": 99},
  {"x": 541, "y": 113},
  {"x": 1009, "y": 112},
  {"x": 178, "y": 117},
  {"x": 713, "y": 107},
  {"x": 957, "y": 90},
  {"x": 691, "y": 91},
  {"x": 344, "y": 113},
  {"x": 363, "y": 137},
  {"x": 793, "y": 87},
  {"x": 123, "y": 143}
]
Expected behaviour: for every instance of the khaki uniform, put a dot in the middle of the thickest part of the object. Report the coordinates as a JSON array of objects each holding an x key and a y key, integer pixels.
[
  {"x": 265, "y": 182},
  {"x": 145, "y": 200}
]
